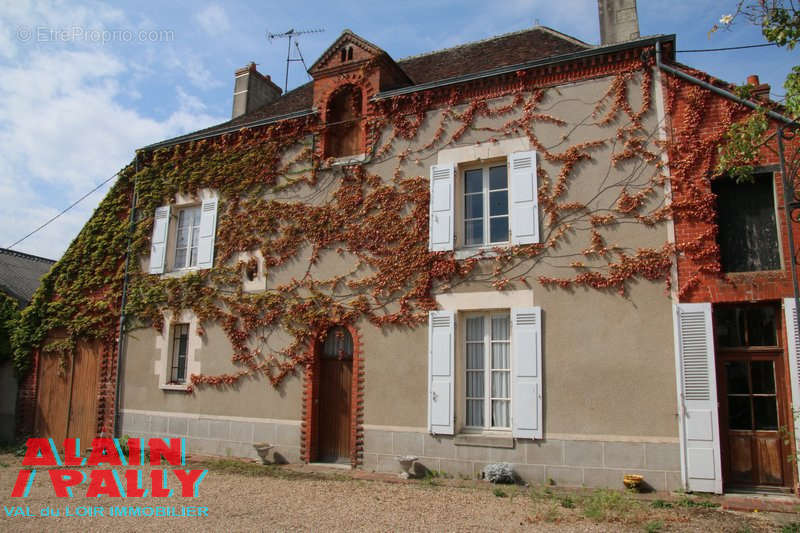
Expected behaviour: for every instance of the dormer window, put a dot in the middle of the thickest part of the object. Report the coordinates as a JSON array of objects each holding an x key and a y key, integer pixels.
[{"x": 343, "y": 137}]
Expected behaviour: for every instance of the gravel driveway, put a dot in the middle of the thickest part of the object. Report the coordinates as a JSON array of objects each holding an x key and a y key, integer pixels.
[{"x": 293, "y": 499}]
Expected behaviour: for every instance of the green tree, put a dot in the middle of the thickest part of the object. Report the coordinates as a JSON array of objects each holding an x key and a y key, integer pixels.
[
  {"x": 9, "y": 314},
  {"x": 779, "y": 21}
]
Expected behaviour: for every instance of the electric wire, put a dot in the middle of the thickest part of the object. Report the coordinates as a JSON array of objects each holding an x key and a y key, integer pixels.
[
  {"x": 73, "y": 204},
  {"x": 726, "y": 48}
]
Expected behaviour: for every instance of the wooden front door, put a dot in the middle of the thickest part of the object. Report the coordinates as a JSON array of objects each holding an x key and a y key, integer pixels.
[
  {"x": 752, "y": 411},
  {"x": 335, "y": 397}
]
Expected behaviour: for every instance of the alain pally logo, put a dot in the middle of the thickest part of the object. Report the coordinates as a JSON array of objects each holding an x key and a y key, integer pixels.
[{"x": 127, "y": 482}]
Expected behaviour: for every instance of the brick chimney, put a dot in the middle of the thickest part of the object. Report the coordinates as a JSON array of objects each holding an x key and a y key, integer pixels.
[
  {"x": 619, "y": 21},
  {"x": 759, "y": 90},
  {"x": 251, "y": 90}
]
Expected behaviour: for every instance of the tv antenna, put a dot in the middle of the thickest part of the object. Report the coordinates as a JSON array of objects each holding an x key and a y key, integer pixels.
[{"x": 288, "y": 35}]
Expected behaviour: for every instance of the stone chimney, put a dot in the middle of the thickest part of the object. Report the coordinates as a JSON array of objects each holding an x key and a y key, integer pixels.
[
  {"x": 251, "y": 90},
  {"x": 618, "y": 21},
  {"x": 759, "y": 90}
]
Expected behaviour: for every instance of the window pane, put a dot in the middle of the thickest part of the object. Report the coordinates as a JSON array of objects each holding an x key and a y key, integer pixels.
[
  {"x": 498, "y": 178},
  {"x": 498, "y": 203},
  {"x": 474, "y": 356},
  {"x": 473, "y": 180},
  {"x": 501, "y": 355},
  {"x": 499, "y": 229},
  {"x": 500, "y": 413},
  {"x": 475, "y": 413},
  {"x": 739, "y": 412},
  {"x": 766, "y": 411},
  {"x": 180, "y": 258},
  {"x": 763, "y": 376},
  {"x": 748, "y": 236},
  {"x": 500, "y": 384},
  {"x": 475, "y": 328},
  {"x": 761, "y": 329},
  {"x": 736, "y": 372},
  {"x": 729, "y": 326},
  {"x": 500, "y": 328},
  {"x": 473, "y": 206},
  {"x": 475, "y": 384},
  {"x": 474, "y": 232}
]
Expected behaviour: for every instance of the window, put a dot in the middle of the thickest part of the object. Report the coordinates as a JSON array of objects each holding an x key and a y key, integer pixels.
[
  {"x": 491, "y": 200},
  {"x": 499, "y": 352},
  {"x": 748, "y": 233},
  {"x": 343, "y": 136},
  {"x": 486, "y": 205},
  {"x": 180, "y": 343},
  {"x": 488, "y": 371},
  {"x": 186, "y": 237},
  {"x": 746, "y": 326},
  {"x": 338, "y": 344},
  {"x": 183, "y": 237}
]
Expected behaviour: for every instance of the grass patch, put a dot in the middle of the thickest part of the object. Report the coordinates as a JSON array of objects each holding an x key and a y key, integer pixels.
[
  {"x": 794, "y": 527},
  {"x": 661, "y": 504},
  {"x": 690, "y": 503},
  {"x": 654, "y": 526},
  {"x": 500, "y": 493},
  {"x": 607, "y": 505},
  {"x": 567, "y": 502}
]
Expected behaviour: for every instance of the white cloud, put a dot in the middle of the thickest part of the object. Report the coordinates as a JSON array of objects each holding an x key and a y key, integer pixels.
[
  {"x": 213, "y": 20},
  {"x": 65, "y": 127}
]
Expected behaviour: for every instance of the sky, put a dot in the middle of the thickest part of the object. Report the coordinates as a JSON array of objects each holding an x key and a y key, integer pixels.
[{"x": 83, "y": 84}]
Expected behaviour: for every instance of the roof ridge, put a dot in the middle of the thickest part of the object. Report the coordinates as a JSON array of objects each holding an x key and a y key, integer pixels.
[
  {"x": 495, "y": 37},
  {"x": 26, "y": 256}
]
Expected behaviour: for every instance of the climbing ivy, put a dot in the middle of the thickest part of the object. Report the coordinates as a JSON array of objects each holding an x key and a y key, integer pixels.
[{"x": 279, "y": 198}]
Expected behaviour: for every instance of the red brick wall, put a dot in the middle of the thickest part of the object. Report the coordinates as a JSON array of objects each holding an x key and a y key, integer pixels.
[{"x": 707, "y": 286}]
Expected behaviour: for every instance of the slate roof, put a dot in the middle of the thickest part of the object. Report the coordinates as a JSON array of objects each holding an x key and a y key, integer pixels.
[
  {"x": 20, "y": 274},
  {"x": 504, "y": 50}
]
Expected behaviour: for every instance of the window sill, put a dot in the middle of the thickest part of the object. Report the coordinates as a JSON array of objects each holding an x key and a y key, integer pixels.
[
  {"x": 751, "y": 273},
  {"x": 174, "y": 386},
  {"x": 344, "y": 161},
  {"x": 179, "y": 273},
  {"x": 485, "y": 440},
  {"x": 481, "y": 252}
]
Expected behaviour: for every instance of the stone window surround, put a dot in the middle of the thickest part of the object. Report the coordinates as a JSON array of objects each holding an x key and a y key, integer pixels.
[
  {"x": 164, "y": 347},
  {"x": 469, "y": 156},
  {"x": 462, "y": 303},
  {"x": 180, "y": 201}
]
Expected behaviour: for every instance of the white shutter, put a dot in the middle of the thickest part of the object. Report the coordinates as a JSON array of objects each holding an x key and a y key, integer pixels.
[
  {"x": 697, "y": 398},
  {"x": 441, "y": 369},
  {"x": 208, "y": 228},
  {"x": 158, "y": 244},
  {"x": 441, "y": 208},
  {"x": 793, "y": 339},
  {"x": 526, "y": 367},
  {"x": 524, "y": 197}
]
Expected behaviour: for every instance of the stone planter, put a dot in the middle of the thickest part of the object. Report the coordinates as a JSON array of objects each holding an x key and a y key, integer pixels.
[
  {"x": 407, "y": 463},
  {"x": 262, "y": 449}
]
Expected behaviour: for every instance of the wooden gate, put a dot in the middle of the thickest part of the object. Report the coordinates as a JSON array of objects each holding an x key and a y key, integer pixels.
[{"x": 66, "y": 402}]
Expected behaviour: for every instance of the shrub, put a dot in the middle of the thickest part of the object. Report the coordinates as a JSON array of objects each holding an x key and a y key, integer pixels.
[{"x": 499, "y": 473}]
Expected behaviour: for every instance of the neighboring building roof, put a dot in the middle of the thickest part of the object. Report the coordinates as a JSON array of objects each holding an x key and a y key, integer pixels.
[
  {"x": 20, "y": 274},
  {"x": 504, "y": 50}
]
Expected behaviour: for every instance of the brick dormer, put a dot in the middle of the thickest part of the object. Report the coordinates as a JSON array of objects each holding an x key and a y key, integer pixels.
[{"x": 350, "y": 72}]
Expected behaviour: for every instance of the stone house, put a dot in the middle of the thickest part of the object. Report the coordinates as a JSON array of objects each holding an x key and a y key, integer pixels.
[{"x": 468, "y": 256}]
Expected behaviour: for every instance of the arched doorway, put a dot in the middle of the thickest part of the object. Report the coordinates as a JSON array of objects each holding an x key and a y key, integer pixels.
[{"x": 335, "y": 356}]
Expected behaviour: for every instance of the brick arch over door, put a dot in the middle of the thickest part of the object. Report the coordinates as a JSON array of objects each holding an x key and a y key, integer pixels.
[{"x": 309, "y": 446}]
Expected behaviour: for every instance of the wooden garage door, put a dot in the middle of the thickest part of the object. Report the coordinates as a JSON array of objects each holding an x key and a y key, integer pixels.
[{"x": 66, "y": 405}]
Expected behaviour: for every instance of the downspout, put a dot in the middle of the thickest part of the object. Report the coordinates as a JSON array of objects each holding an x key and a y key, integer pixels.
[{"x": 122, "y": 316}]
